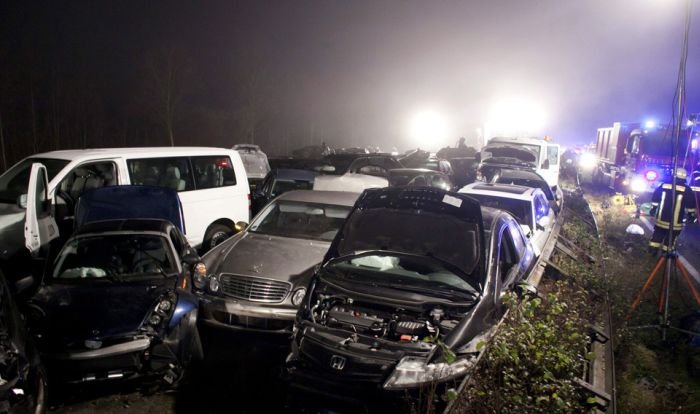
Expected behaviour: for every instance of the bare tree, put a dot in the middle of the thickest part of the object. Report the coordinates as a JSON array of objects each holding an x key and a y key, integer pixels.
[
  {"x": 2, "y": 146},
  {"x": 169, "y": 72}
]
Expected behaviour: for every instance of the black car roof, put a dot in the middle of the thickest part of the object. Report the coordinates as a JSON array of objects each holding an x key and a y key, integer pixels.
[{"x": 157, "y": 225}]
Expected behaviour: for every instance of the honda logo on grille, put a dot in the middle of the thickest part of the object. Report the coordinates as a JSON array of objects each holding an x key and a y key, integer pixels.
[{"x": 338, "y": 362}]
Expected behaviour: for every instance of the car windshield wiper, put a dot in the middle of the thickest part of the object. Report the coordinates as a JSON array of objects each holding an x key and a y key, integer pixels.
[{"x": 449, "y": 293}]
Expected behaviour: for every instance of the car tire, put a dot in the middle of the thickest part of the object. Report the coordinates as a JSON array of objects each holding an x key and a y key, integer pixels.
[
  {"x": 216, "y": 233},
  {"x": 40, "y": 401}
]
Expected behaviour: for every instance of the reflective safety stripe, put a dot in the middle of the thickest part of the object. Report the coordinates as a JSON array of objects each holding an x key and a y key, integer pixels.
[
  {"x": 660, "y": 210},
  {"x": 670, "y": 187},
  {"x": 654, "y": 244}
]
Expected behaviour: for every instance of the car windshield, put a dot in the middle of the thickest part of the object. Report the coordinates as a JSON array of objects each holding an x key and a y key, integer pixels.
[
  {"x": 282, "y": 186},
  {"x": 300, "y": 220},
  {"x": 15, "y": 181},
  {"x": 400, "y": 271},
  {"x": 114, "y": 257},
  {"x": 520, "y": 209}
]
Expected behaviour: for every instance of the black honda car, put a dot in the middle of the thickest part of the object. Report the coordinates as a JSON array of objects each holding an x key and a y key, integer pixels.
[{"x": 414, "y": 274}]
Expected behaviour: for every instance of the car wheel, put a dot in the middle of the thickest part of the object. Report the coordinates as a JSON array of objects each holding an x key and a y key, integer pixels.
[{"x": 216, "y": 233}]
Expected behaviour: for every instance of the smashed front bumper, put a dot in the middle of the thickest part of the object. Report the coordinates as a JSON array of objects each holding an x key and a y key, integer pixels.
[
  {"x": 121, "y": 358},
  {"x": 225, "y": 313}
]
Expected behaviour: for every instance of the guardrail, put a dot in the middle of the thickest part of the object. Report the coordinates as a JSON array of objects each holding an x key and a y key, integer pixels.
[{"x": 597, "y": 375}]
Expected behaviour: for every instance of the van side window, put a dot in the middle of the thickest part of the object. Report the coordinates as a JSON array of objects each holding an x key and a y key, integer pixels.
[
  {"x": 213, "y": 171},
  {"x": 169, "y": 172},
  {"x": 87, "y": 177}
]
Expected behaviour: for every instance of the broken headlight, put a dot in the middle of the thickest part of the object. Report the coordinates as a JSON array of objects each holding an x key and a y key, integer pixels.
[
  {"x": 162, "y": 311},
  {"x": 414, "y": 372},
  {"x": 199, "y": 275}
]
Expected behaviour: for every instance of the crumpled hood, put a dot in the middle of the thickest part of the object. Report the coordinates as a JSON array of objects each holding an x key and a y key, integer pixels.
[
  {"x": 280, "y": 258},
  {"x": 11, "y": 229},
  {"x": 75, "y": 312}
]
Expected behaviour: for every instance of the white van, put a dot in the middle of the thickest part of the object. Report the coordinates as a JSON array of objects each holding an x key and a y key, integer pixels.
[
  {"x": 545, "y": 155},
  {"x": 211, "y": 182}
]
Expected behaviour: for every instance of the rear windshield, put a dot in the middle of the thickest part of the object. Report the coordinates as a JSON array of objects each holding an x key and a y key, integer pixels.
[
  {"x": 255, "y": 164},
  {"x": 15, "y": 181},
  {"x": 520, "y": 209}
]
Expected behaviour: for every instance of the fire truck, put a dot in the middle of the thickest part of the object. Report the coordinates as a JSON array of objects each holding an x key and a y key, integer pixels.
[{"x": 634, "y": 158}]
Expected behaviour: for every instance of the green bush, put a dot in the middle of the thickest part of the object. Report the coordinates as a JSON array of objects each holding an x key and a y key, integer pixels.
[{"x": 531, "y": 363}]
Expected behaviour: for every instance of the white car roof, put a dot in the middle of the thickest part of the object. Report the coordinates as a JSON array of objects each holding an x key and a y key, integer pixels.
[
  {"x": 516, "y": 192},
  {"x": 518, "y": 140},
  {"x": 77, "y": 154}
]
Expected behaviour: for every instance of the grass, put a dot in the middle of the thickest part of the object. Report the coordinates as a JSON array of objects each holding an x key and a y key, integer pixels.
[{"x": 652, "y": 375}]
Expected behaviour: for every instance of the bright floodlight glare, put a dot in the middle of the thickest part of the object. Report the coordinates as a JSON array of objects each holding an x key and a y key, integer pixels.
[
  {"x": 587, "y": 161},
  {"x": 650, "y": 124},
  {"x": 638, "y": 185},
  {"x": 428, "y": 127},
  {"x": 516, "y": 116}
]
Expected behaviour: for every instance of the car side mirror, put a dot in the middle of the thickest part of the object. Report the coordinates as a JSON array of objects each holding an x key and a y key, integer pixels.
[
  {"x": 526, "y": 230},
  {"x": 524, "y": 289},
  {"x": 22, "y": 201},
  {"x": 191, "y": 257},
  {"x": 241, "y": 225},
  {"x": 545, "y": 165}
]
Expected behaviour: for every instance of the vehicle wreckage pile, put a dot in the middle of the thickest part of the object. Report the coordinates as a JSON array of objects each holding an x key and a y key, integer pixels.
[{"x": 392, "y": 284}]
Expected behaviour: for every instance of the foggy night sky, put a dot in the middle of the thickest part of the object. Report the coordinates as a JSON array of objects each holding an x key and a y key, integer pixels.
[{"x": 358, "y": 70}]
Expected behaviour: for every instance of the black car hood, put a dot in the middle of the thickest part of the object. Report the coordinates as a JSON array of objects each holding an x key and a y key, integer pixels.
[
  {"x": 418, "y": 221},
  {"x": 509, "y": 151},
  {"x": 79, "y": 311}
]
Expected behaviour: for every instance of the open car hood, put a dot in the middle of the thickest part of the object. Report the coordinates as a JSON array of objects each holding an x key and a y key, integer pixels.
[
  {"x": 508, "y": 151},
  {"x": 130, "y": 201},
  {"x": 418, "y": 221}
]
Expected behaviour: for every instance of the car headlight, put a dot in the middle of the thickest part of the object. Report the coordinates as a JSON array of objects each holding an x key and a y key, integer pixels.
[
  {"x": 214, "y": 284},
  {"x": 413, "y": 372},
  {"x": 155, "y": 320},
  {"x": 587, "y": 161},
  {"x": 638, "y": 185},
  {"x": 164, "y": 306},
  {"x": 199, "y": 275},
  {"x": 298, "y": 296}
]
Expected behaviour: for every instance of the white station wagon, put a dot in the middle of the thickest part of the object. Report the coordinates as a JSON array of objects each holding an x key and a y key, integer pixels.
[{"x": 528, "y": 205}]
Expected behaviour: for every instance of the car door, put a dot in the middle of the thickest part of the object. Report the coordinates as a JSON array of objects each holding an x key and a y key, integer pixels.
[{"x": 39, "y": 224}]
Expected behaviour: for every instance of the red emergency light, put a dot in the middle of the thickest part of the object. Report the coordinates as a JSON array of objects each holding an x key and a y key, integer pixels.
[{"x": 651, "y": 175}]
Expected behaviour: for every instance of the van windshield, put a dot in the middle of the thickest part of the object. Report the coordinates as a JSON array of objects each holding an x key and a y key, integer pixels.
[{"x": 14, "y": 182}]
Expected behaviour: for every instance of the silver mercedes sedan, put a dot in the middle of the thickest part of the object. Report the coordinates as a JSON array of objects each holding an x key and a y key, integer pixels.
[{"x": 256, "y": 279}]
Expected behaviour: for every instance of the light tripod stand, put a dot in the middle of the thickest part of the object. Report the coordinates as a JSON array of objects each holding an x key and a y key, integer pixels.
[{"x": 669, "y": 261}]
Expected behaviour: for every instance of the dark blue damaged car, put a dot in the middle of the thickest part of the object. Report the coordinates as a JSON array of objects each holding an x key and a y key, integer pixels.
[{"x": 117, "y": 302}]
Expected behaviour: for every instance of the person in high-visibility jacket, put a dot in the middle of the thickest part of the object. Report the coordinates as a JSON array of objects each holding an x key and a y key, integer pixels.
[{"x": 671, "y": 218}]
